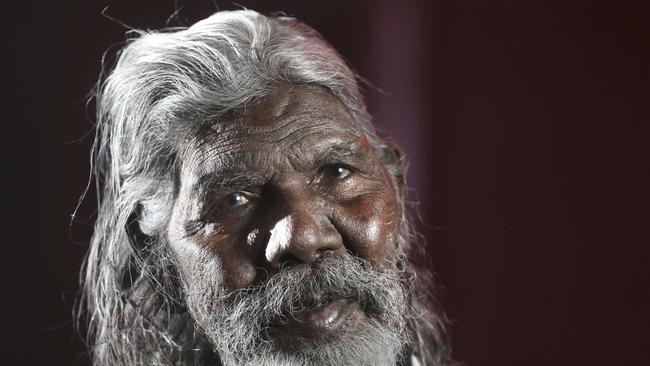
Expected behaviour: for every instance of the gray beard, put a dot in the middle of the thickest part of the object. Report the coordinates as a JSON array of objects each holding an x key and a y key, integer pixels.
[{"x": 237, "y": 323}]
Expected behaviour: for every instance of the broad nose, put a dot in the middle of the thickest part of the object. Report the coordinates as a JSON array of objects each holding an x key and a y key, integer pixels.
[{"x": 302, "y": 236}]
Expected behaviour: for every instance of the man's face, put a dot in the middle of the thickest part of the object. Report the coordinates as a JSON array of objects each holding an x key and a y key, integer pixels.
[{"x": 284, "y": 232}]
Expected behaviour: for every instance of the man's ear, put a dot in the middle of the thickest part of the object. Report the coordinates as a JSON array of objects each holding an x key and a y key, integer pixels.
[
  {"x": 138, "y": 239},
  {"x": 394, "y": 160},
  {"x": 139, "y": 242}
]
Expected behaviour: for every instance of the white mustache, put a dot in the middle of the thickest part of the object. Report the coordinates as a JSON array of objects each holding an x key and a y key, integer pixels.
[{"x": 298, "y": 288}]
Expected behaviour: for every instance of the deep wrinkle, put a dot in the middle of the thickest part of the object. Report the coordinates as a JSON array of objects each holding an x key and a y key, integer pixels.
[{"x": 282, "y": 164}]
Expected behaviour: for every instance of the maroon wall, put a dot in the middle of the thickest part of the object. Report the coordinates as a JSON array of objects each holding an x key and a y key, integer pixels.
[{"x": 526, "y": 127}]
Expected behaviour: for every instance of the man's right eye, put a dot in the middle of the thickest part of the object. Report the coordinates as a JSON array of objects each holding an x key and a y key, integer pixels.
[
  {"x": 335, "y": 172},
  {"x": 236, "y": 199}
]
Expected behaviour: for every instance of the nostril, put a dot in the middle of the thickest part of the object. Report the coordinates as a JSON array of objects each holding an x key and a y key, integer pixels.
[
  {"x": 323, "y": 251},
  {"x": 288, "y": 260}
]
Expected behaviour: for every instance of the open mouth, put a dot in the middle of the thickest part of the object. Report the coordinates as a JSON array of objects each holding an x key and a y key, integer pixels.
[{"x": 326, "y": 318}]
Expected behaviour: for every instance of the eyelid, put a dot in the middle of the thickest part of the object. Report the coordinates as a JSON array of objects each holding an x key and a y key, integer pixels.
[
  {"x": 222, "y": 204},
  {"x": 324, "y": 177},
  {"x": 244, "y": 192},
  {"x": 338, "y": 163}
]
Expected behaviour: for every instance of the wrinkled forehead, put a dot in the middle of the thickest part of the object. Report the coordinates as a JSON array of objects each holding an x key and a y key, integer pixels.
[
  {"x": 286, "y": 104},
  {"x": 291, "y": 122}
]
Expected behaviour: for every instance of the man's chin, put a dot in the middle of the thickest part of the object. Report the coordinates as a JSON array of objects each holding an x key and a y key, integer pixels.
[
  {"x": 352, "y": 339},
  {"x": 342, "y": 313}
]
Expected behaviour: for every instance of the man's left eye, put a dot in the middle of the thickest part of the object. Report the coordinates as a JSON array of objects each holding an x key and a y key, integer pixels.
[
  {"x": 336, "y": 171},
  {"x": 236, "y": 199}
]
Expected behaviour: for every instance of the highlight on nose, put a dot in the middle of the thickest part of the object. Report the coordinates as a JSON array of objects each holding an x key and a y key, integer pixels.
[
  {"x": 294, "y": 241},
  {"x": 279, "y": 239}
]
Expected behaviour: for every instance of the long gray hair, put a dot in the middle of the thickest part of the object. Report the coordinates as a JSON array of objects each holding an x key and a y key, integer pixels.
[{"x": 162, "y": 87}]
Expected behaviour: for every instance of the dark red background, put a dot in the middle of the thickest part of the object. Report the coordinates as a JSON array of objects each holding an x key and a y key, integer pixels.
[{"x": 526, "y": 126}]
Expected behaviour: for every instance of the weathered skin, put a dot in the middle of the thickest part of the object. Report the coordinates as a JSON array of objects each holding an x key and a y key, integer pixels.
[{"x": 283, "y": 182}]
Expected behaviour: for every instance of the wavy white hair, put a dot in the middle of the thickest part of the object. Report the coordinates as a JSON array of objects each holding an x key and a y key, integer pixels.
[{"x": 163, "y": 87}]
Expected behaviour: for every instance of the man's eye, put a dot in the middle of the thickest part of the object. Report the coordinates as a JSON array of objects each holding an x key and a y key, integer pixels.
[
  {"x": 336, "y": 171},
  {"x": 236, "y": 199}
]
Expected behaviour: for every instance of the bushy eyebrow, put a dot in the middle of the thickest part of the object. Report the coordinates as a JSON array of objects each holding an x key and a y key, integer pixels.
[
  {"x": 239, "y": 177},
  {"x": 227, "y": 180},
  {"x": 344, "y": 152}
]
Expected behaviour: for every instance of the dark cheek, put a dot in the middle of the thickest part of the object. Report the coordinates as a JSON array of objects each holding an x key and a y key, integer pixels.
[
  {"x": 239, "y": 272},
  {"x": 368, "y": 224},
  {"x": 238, "y": 269}
]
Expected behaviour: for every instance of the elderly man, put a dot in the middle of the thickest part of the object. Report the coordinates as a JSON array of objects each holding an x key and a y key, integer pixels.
[{"x": 249, "y": 213}]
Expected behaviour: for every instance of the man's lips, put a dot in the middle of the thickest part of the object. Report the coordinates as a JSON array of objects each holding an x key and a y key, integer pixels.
[{"x": 322, "y": 320}]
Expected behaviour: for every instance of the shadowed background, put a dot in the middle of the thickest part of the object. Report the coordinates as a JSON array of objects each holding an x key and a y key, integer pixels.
[{"x": 526, "y": 127}]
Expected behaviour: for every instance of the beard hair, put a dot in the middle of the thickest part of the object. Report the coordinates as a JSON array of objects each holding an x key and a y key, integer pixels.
[{"x": 237, "y": 323}]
